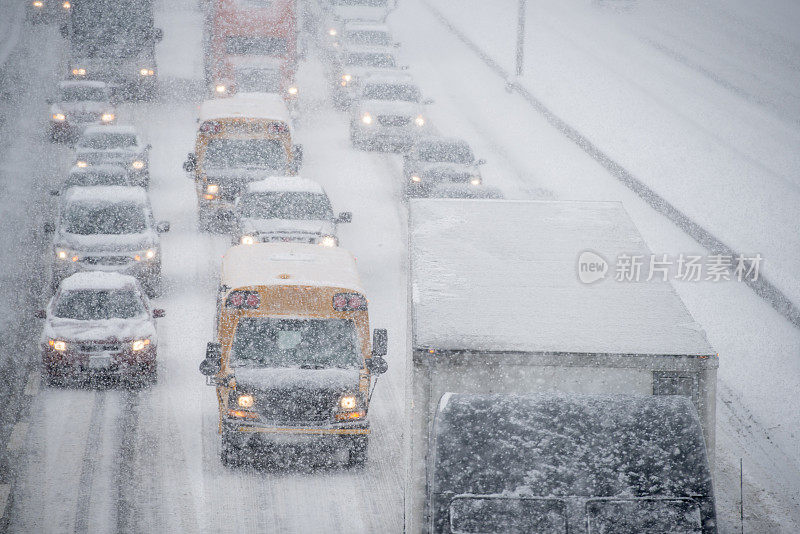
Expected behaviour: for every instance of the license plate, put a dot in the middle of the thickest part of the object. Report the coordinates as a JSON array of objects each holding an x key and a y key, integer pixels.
[{"x": 99, "y": 362}]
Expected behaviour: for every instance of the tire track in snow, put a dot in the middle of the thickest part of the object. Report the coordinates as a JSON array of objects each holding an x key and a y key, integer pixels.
[
  {"x": 761, "y": 287},
  {"x": 89, "y": 463},
  {"x": 124, "y": 462}
]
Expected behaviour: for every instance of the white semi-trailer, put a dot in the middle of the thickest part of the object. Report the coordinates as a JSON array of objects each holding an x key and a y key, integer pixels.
[{"x": 497, "y": 306}]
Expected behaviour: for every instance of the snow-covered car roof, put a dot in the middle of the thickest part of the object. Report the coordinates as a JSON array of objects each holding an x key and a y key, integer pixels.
[
  {"x": 289, "y": 264},
  {"x": 110, "y": 128},
  {"x": 501, "y": 275},
  {"x": 102, "y": 168},
  {"x": 436, "y": 139},
  {"x": 247, "y": 105},
  {"x": 99, "y": 280},
  {"x": 538, "y": 446},
  {"x": 82, "y": 83},
  {"x": 285, "y": 183},
  {"x": 389, "y": 76},
  {"x": 108, "y": 194},
  {"x": 357, "y": 48}
]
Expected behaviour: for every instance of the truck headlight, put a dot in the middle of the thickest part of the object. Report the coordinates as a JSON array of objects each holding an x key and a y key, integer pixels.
[
  {"x": 79, "y": 71},
  {"x": 66, "y": 5},
  {"x": 348, "y": 402},
  {"x": 138, "y": 164},
  {"x": 38, "y": 3},
  {"x": 420, "y": 121},
  {"x": 247, "y": 240},
  {"x": 212, "y": 188},
  {"x": 292, "y": 90},
  {"x": 81, "y": 164},
  {"x": 107, "y": 117},
  {"x": 58, "y": 345},
  {"x": 148, "y": 254},
  {"x": 245, "y": 401},
  {"x": 328, "y": 241},
  {"x": 475, "y": 180},
  {"x": 332, "y": 32},
  {"x": 139, "y": 344},
  {"x": 59, "y": 117},
  {"x": 366, "y": 118},
  {"x": 415, "y": 178},
  {"x": 146, "y": 72},
  {"x": 220, "y": 89},
  {"x": 66, "y": 255}
]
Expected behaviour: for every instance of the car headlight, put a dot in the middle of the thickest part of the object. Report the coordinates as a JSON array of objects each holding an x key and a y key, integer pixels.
[
  {"x": 107, "y": 117},
  {"x": 59, "y": 117},
  {"x": 58, "y": 345},
  {"x": 247, "y": 240},
  {"x": 328, "y": 241},
  {"x": 66, "y": 5},
  {"x": 212, "y": 188},
  {"x": 146, "y": 72},
  {"x": 38, "y": 3},
  {"x": 415, "y": 178},
  {"x": 292, "y": 90},
  {"x": 79, "y": 71},
  {"x": 366, "y": 118},
  {"x": 245, "y": 401},
  {"x": 66, "y": 255},
  {"x": 332, "y": 32},
  {"x": 419, "y": 121},
  {"x": 148, "y": 254},
  {"x": 348, "y": 402},
  {"x": 139, "y": 344},
  {"x": 82, "y": 164},
  {"x": 475, "y": 180},
  {"x": 138, "y": 164},
  {"x": 220, "y": 89}
]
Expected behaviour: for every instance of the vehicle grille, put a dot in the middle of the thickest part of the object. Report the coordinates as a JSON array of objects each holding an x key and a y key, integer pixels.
[
  {"x": 289, "y": 406},
  {"x": 273, "y": 238},
  {"x": 451, "y": 177},
  {"x": 85, "y": 117},
  {"x": 100, "y": 347},
  {"x": 393, "y": 120},
  {"x": 106, "y": 260}
]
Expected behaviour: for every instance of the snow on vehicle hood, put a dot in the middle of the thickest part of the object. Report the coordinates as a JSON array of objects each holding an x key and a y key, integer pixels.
[
  {"x": 289, "y": 378},
  {"x": 445, "y": 168},
  {"x": 140, "y": 327},
  {"x": 390, "y": 107},
  {"x": 107, "y": 242},
  {"x": 361, "y": 13},
  {"x": 106, "y": 153},
  {"x": 239, "y": 175},
  {"x": 266, "y": 226},
  {"x": 85, "y": 106}
]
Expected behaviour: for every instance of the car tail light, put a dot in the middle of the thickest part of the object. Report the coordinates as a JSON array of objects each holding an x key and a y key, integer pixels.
[
  {"x": 243, "y": 300},
  {"x": 349, "y": 302},
  {"x": 275, "y": 128},
  {"x": 211, "y": 127}
]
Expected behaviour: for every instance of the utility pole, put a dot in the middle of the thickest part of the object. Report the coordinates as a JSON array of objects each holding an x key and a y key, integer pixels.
[{"x": 521, "y": 9}]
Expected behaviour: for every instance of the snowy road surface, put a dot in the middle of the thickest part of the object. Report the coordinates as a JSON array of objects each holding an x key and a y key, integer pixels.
[{"x": 97, "y": 460}]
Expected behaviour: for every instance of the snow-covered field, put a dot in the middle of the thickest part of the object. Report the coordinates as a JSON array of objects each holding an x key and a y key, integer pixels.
[{"x": 112, "y": 460}]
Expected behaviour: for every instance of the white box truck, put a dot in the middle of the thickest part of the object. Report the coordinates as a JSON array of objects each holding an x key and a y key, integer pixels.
[{"x": 497, "y": 306}]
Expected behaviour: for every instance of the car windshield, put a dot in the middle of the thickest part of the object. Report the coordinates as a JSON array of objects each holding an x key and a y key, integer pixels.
[
  {"x": 95, "y": 304},
  {"x": 256, "y": 46},
  {"x": 285, "y": 205},
  {"x": 370, "y": 59},
  {"x": 473, "y": 514},
  {"x": 258, "y": 80},
  {"x": 371, "y": 37},
  {"x": 301, "y": 343},
  {"x": 446, "y": 152},
  {"x": 677, "y": 516},
  {"x": 83, "y": 94},
  {"x": 231, "y": 153},
  {"x": 90, "y": 178},
  {"x": 113, "y": 218},
  {"x": 391, "y": 91},
  {"x": 107, "y": 140}
]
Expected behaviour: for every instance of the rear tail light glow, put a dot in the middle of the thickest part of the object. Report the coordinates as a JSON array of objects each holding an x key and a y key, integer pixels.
[
  {"x": 243, "y": 300},
  {"x": 212, "y": 127},
  {"x": 349, "y": 302}
]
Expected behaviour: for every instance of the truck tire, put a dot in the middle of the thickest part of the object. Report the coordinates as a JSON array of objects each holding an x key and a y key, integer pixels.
[{"x": 357, "y": 452}]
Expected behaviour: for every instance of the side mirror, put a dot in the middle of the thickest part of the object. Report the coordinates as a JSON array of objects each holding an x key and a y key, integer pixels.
[
  {"x": 211, "y": 364},
  {"x": 162, "y": 227},
  {"x": 403, "y": 67},
  {"x": 54, "y": 192},
  {"x": 344, "y": 218},
  {"x": 480, "y": 162},
  {"x": 49, "y": 227},
  {"x": 40, "y": 314},
  {"x": 158, "y": 313},
  {"x": 191, "y": 162},
  {"x": 380, "y": 342},
  {"x": 148, "y": 146},
  {"x": 428, "y": 101},
  {"x": 158, "y": 34},
  {"x": 377, "y": 365}
]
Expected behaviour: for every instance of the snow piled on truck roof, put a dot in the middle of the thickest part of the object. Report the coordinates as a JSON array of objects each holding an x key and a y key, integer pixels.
[
  {"x": 98, "y": 280},
  {"x": 261, "y": 106},
  {"x": 295, "y": 264},
  {"x": 495, "y": 275}
]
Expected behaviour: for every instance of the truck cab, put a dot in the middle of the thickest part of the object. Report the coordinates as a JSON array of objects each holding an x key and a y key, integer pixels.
[{"x": 292, "y": 361}]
